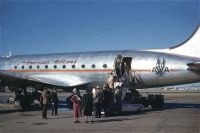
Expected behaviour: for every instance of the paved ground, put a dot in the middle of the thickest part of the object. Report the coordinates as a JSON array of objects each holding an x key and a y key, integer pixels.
[{"x": 180, "y": 115}]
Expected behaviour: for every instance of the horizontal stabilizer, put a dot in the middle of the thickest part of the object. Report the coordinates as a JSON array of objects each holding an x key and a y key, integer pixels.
[{"x": 194, "y": 66}]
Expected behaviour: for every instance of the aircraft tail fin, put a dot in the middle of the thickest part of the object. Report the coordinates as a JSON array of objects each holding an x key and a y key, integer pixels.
[{"x": 190, "y": 47}]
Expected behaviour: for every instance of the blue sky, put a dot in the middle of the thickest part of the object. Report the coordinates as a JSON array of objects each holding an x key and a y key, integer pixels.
[{"x": 44, "y": 26}]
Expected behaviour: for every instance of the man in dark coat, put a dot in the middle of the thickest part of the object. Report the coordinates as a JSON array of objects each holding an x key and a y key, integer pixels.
[
  {"x": 55, "y": 101},
  {"x": 98, "y": 102},
  {"x": 87, "y": 105}
]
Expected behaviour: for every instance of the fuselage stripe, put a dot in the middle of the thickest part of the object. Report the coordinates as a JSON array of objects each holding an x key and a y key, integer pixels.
[
  {"x": 78, "y": 70},
  {"x": 74, "y": 70}
]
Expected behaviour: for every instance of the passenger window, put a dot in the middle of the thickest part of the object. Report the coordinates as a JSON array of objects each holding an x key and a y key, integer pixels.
[
  {"x": 30, "y": 67},
  {"x": 46, "y": 66},
  {"x": 64, "y": 66},
  {"x": 93, "y": 66},
  {"x": 104, "y": 66},
  {"x": 38, "y": 67},
  {"x": 15, "y": 67},
  {"x": 83, "y": 66},
  {"x": 22, "y": 67},
  {"x": 55, "y": 66},
  {"x": 73, "y": 66}
]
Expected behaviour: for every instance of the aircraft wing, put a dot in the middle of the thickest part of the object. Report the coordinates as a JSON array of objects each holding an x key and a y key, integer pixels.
[
  {"x": 46, "y": 79},
  {"x": 58, "y": 80},
  {"x": 194, "y": 66}
]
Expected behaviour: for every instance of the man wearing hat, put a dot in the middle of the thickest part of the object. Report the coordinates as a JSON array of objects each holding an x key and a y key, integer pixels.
[
  {"x": 55, "y": 101},
  {"x": 98, "y": 101},
  {"x": 45, "y": 101}
]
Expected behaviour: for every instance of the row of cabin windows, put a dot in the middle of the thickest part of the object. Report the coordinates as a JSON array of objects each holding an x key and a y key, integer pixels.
[{"x": 63, "y": 66}]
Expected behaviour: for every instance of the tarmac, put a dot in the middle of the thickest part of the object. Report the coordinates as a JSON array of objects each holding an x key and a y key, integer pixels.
[{"x": 181, "y": 114}]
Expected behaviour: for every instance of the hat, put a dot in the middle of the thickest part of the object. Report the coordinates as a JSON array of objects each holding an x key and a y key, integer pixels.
[
  {"x": 97, "y": 87},
  {"x": 74, "y": 91}
]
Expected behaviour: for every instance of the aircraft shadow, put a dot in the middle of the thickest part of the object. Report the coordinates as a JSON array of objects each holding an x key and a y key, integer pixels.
[
  {"x": 167, "y": 106},
  {"x": 113, "y": 119},
  {"x": 59, "y": 117},
  {"x": 181, "y": 105}
]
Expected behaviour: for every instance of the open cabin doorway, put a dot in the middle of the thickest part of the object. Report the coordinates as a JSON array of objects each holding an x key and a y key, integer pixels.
[
  {"x": 122, "y": 64},
  {"x": 126, "y": 64}
]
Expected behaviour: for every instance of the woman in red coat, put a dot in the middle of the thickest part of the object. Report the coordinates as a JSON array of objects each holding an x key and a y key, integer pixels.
[{"x": 76, "y": 100}]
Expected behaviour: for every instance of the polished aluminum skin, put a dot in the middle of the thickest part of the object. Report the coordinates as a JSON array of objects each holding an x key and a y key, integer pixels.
[{"x": 151, "y": 69}]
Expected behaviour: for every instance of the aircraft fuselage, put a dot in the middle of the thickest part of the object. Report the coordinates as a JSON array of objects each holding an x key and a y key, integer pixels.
[{"x": 151, "y": 69}]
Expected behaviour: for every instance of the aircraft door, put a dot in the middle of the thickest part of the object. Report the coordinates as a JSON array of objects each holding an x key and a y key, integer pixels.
[
  {"x": 122, "y": 65},
  {"x": 126, "y": 65}
]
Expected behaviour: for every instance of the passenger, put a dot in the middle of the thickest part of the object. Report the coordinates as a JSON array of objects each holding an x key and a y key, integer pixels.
[
  {"x": 18, "y": 96},
  {"x": 87, "y": 105},
  {"x": 69, "y": 102},
  {"x": 127, "y": 76},
  {"x": 55, "y": 101},
  {"x": 79, "y": 95},
  {"x": 117, "y": 65},
  {"x": 108, "y": 101},
  {"x": 45, "y": 101},
  {"x": 110, "y": 81},
  {"x": 94, "y": 92},
  {"x": 76, "y": 105},
  {"x": 98, "y": 101},
  {"x": 118, "y": 99}
]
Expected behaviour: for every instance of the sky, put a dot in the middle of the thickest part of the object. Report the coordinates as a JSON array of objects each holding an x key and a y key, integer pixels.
[{"x": 60, "y": 26}]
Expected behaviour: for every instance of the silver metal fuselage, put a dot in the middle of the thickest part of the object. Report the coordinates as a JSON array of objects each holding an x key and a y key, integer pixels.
[{"x": 67, "y": 69}]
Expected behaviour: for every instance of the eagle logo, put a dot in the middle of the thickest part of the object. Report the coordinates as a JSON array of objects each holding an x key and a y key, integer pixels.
[{"x": 160, "y": 67}]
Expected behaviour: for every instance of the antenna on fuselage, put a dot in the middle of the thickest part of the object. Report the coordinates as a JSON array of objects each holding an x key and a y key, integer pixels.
[{"x": 10, "y": 53}]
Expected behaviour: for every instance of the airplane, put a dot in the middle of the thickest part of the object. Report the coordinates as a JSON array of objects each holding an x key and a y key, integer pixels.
[{"x": 150, "y": 68}]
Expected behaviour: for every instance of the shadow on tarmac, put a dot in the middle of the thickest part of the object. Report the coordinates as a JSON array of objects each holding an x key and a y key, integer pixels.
[
  {"x": 181, "y": 106},
  {"x": 59, "y": 117},
  {"x": 112, "y": 120},
  {"x": 167, "y": 106}
]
